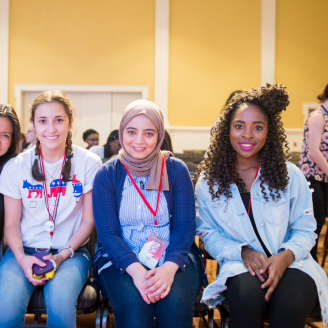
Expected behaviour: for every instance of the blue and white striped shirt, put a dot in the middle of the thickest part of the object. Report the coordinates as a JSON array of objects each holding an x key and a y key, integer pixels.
[{"x": 137, "y": 222}]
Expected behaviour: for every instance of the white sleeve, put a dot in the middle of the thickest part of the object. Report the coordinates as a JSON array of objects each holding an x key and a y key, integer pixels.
[
  {"x": 98, "y": 150},
  {"x": 9, "y": 180},
  {"x": 91, "y": 167}
]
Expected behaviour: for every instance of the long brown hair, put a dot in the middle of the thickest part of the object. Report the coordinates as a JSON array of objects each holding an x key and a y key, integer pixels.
[{"x": 61, "y": 98}]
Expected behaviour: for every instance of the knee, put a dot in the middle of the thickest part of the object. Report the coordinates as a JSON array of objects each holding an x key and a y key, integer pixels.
[
  {"x": 244, "y": 291},
  {"x": 129, "y": 305}
]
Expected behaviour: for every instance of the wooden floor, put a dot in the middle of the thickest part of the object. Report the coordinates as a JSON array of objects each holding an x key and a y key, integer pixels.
[{"x": 88, "y": 321}]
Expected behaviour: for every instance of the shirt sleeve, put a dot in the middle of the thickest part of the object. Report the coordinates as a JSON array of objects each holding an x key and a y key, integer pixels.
[
  {"x": 107, "y": 221},
  {"x": 300, "y": 235},
  {"x": 98, "y": 150},
  {"x": 92, "y": 166},
  {"x": 183, "y": 223},
  {"x": 217, "y": 243},
  {"x": 10, "y": 179}
]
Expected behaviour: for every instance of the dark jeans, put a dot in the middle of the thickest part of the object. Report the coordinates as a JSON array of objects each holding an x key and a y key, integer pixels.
[
  {"x": 320, "y": 202},
  {"x": 175, "y": 310},
  {"x": 290, "y": 304}
]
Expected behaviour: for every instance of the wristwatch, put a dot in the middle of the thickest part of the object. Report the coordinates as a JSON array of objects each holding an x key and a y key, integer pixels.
[{"x": 69, "y": 248}]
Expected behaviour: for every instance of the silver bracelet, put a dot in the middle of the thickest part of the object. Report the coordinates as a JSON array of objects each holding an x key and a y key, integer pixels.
[{"x": 69, "y": 248}]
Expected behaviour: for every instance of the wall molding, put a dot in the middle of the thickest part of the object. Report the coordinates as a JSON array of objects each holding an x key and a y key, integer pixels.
[
  {"x": 268, "y": 41},
  {"x": 161, "y": 69},
  {"x": 4, "y": 51},
  {"x": 309, "y": 107},
  {"x": 21, "y": 88}
]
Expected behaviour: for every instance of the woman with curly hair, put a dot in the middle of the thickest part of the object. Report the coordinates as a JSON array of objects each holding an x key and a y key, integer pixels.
[
  {"x": 313, "y": 162},
  {"x": 255, "y": 217}
]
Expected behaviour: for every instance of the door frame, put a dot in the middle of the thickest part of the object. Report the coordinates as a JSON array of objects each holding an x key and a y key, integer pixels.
[{"x": 20, "y": 89}]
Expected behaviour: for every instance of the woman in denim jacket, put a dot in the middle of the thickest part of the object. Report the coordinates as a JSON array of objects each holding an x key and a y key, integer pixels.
[{"x": 256, "y": 217}]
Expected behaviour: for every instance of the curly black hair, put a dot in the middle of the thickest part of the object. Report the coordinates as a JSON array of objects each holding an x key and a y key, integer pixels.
[{"x": 218, "y": 167}]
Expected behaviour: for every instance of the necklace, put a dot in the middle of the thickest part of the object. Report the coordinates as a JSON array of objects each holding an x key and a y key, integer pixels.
[{"x": 53, "y": 175}]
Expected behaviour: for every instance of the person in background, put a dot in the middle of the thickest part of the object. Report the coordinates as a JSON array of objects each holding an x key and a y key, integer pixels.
[
  {"x": 143, "y": 203},
  {"x": 30, "y": 136},
  {"x": 313, "y": 161},
  {"x": 110, "y": 148},
  {"x": 9, "y": 146},
  {"x": 91, "y": 137},
  {"x": 48, "y": 207},
  {"x": 256, "y": 219},
  {"x": 22, "y": 142},
  {"x": 9, "y": 134},
  {"x": 167, "y": 144}
]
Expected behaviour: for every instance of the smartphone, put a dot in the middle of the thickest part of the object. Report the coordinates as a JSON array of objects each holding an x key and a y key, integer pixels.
[{"x": 37, "y": 269}]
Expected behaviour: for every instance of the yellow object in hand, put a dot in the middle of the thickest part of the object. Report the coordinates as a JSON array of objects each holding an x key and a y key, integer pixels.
[{"x": 50, "y": 275}]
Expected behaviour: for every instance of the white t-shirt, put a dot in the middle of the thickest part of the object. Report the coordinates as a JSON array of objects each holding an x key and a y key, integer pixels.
[
  {"x": 17, "y": 182},
  {"x": 98, "y": 150}
]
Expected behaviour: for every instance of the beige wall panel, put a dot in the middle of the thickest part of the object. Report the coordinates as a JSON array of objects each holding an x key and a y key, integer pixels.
[
  {"x": 120, "y": 101},
  {"x": 103, "y": 42},
  {"x": 214, "y": 49},
  {"x": 301, "y": 53}
]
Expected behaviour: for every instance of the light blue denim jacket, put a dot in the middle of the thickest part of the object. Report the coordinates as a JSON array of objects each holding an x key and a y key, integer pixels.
[{"x": 288, "y": 223}]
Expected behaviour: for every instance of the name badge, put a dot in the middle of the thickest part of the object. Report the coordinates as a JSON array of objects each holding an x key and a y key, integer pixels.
[
  {"x": 49, "y": 226},
  {"x": 152, "y": 251}
]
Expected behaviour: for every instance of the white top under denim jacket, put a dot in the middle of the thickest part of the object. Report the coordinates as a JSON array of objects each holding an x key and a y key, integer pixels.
[{"x": 287, "y": 223}]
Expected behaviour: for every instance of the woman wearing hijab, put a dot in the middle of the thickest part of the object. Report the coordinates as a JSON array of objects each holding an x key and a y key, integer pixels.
[{"x": 147, "y": 263}]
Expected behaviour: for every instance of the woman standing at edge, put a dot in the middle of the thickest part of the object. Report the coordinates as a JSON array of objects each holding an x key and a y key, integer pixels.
[
  {"x": 143, "y": 194},
  {"x": 256, "y": 218},
  {"x": 9, "y": 141},
  {"x": 48, "y": 206},
  {"x": 313, "y": 162},
  {"x": 9, "y": 134}
]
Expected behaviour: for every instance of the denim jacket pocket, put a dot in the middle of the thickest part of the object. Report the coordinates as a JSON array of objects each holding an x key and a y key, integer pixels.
[
  {"x": 222, "y": 210},
  {"x": 274, "y": 210}
]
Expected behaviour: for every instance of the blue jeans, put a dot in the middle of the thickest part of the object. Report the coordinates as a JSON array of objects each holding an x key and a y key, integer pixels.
[
  {"x": 61, "y": 293},
  {"x": 175, "y": 310}
]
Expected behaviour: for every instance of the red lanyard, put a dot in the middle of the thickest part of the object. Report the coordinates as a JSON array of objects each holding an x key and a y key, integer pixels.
[
  {"x": 143, "y": 197},
  {"x": 250, "y": 196},
  {"x": 51, "y": 218}
]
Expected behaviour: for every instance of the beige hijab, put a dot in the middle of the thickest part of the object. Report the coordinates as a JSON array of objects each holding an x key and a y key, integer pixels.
[{"x": 152, "y": 164}]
